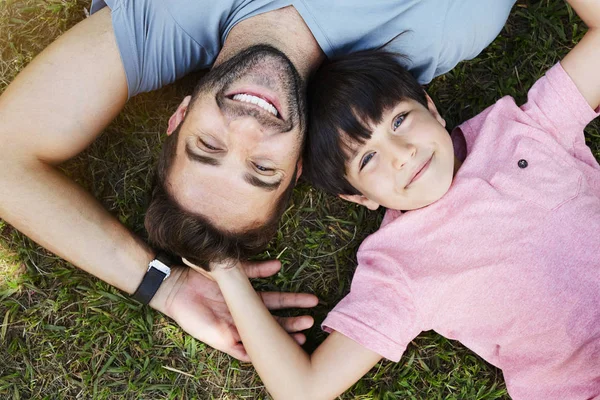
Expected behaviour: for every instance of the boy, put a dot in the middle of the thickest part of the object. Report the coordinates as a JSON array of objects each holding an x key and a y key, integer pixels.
[{"x": 499, "y": 249}]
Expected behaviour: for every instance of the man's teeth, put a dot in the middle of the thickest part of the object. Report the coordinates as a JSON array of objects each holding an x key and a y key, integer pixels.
[{"x": 248, "y": 98}]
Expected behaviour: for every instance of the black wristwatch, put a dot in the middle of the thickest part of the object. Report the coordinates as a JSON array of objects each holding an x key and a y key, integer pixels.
[{"x": 159, "y": 269}]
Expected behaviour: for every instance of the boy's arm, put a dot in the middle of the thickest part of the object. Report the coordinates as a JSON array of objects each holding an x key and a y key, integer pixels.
[
  {"x": 582, "y": 63},
  {"x": 286, "y": 370}
]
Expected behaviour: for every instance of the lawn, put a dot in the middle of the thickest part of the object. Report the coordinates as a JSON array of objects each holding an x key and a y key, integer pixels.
[{"x": 67, "y": 335}]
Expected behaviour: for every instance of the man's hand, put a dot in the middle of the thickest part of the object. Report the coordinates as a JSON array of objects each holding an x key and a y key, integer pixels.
[{"x": 195, "y": 302}]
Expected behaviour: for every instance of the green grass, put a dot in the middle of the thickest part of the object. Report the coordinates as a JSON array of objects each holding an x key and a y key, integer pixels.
[{"x": 64, "y": 334}]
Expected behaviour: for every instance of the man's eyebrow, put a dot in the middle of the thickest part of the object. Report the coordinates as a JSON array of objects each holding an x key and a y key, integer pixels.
[
  {"x": 269, "y": 187},
  {"x": 200, "y": 158}
]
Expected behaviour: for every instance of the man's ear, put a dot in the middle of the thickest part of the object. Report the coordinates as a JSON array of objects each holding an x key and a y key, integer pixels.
[
  {"x": 178, "y": 115},
  {"x": 433, "y": 110},
  {"x": 360, "y": 199},
  {"x": 298, "y": 169}
]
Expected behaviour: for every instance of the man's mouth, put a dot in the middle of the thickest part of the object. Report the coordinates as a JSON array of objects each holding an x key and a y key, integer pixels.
[
  {"x": 419, "y": 171},
  {"x": 262, "y": 101}
]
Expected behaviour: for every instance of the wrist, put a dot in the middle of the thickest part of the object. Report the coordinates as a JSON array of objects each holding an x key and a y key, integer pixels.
[
  {"x": 164, "y": 295},
  {"x": 157, "y": 273},
  {"x": 228, "y": 270}
]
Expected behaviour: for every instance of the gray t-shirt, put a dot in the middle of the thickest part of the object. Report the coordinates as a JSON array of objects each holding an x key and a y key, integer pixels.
[{"x": 163, "y": 40}]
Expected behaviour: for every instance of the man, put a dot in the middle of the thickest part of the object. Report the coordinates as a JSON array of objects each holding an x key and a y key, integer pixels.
[{"x": 235, "y": 147}]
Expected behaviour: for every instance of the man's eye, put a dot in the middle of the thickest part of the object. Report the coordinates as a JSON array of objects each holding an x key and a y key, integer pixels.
[
  {"x": 366, "y": 160},
  {"x": 263, "y": 169},
  {"x": 208, "y": 146},
  {"x": 398, "y": 120}
]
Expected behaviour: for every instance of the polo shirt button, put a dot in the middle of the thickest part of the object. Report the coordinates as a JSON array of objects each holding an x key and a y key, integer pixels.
[{"x": 522, "y": 163}]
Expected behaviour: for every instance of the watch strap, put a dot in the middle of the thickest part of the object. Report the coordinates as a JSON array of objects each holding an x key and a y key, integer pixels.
[{"x": 151, "y": 281}]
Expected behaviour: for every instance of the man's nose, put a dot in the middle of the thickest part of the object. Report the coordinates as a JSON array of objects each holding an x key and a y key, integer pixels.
[
  {"x": 245, "y": 130},
  {"x": 401, "y": 154}
]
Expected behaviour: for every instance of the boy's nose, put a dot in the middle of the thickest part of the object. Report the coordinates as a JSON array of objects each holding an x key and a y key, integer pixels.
[{"x": 402, "y": 155}]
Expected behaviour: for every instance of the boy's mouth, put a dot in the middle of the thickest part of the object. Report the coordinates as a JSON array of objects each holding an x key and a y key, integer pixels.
[{"x": 419, "y": 171}]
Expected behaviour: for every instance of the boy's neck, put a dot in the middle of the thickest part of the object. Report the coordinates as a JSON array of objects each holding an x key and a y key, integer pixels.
[
  {"x": 283, "y": 29},
  {"x": 457, "y": 165}
]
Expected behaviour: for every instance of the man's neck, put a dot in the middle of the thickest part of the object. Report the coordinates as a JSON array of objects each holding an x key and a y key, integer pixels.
[{"x": 283, "y": 29}]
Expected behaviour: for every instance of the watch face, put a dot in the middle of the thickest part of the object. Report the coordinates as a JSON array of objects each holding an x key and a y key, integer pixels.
[{"x": 159, "y": 265}]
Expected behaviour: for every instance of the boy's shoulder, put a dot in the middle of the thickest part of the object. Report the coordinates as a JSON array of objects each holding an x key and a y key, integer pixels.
[
  {"x": 502, "y": 109},
  {"x": 401, "y": 232}
]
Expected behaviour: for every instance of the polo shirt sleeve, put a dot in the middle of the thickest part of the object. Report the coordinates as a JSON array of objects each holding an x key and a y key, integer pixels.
[
  {"x": 379, "y": 311},
  {"x": 555, "y": 103}
]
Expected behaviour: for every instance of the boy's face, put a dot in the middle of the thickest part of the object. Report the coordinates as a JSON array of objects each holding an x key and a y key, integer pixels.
[{"x": 408, "y": 162}]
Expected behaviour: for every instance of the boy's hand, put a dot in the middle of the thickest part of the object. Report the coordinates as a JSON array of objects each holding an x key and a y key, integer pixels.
[
  {"x": 583, "y": 61},
  {"x": 195, "y": 302}
]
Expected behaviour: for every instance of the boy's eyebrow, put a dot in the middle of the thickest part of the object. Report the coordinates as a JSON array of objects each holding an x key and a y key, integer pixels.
[{"x": 352, "y": 152}]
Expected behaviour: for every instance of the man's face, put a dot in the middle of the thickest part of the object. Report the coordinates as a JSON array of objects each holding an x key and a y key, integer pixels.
[{"x": 241, "y": 139}]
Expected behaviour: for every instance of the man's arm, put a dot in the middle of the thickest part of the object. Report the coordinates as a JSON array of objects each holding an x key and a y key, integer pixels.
[
  {"x": 583, "y": 61},
  {"x": 52, "y": 111}
]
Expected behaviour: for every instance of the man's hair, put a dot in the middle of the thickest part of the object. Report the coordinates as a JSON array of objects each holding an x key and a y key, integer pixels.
[
  {"x": 192, "y": 236},
  {"x": 346, "y": 98}
]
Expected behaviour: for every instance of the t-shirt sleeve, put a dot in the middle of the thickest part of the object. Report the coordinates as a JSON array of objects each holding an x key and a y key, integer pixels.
[
  {"x": 469, "y": 27},
  {"x": 154, "y": 49},
  {"x": 379, "y": 311},
  {"x": 556, "y": 104}
]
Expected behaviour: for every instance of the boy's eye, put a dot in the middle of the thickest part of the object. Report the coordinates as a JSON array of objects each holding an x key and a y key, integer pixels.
[
  {"x": 398, "y": 120},
  {"x": 365, "y": 160}
]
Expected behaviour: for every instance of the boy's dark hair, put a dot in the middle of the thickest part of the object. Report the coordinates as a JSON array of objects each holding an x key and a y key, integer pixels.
[
  {"x": 346, "y": 97},
  {"x": 192, "y": 236}
]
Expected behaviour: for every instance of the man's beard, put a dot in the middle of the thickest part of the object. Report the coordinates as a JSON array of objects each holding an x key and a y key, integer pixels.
[{"x": 284, "y": 78}]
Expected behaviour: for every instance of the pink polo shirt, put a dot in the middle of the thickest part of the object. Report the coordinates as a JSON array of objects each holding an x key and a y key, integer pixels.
[{"x": 508, "y": 261}]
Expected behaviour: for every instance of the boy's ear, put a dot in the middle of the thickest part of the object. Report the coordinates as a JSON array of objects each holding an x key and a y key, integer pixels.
[
  {"x": 178, "y": 115},
  {"x": 433, "y": 110},
  {"x": 360, "y": 199}
]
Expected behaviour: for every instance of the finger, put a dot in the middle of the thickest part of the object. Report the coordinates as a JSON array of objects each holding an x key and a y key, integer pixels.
[
  {"x": 261, "y": 269},
  {"x": 300, "y": 338},
  {"x": 295, "y": 324},
  {"x": 225, "y": 338},
  {"x": 280, "y": 300},
  {"x": 238, "y": 351}
]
